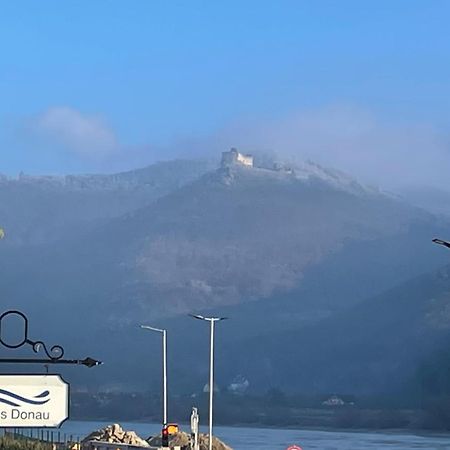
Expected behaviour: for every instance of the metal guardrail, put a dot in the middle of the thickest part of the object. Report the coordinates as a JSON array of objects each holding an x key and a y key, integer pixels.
[
  {"x": 43, "y": 435},
  {"x": 104, "y": 445}
]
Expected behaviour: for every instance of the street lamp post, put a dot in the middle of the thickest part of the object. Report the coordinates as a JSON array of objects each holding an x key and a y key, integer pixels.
[
  {"x": 212, "y": 321},
  {"x": 164, "y": 363},
  {"x": 441, "y": 242}
]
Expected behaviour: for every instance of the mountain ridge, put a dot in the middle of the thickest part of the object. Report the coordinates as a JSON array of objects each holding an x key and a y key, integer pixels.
[
  {"x": 53, "y": 208},
  {"x": 295, "y": 247}
]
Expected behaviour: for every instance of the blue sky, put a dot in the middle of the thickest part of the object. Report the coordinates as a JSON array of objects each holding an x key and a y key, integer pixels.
[{"x": 108, "y": 85}]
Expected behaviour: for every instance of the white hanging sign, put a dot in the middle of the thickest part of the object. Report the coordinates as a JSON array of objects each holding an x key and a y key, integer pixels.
[{"x": 33, "y": 401}]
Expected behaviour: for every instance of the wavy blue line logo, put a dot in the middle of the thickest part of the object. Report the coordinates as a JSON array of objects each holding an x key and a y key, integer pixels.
[{"x": 12, "y": 399}]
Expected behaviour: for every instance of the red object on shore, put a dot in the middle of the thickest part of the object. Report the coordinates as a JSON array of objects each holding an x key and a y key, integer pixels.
[{"x": 294, "y": 447}]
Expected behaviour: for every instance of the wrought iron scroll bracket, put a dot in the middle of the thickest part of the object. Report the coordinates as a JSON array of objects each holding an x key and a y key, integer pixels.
[{"x": 54, "y": 355}]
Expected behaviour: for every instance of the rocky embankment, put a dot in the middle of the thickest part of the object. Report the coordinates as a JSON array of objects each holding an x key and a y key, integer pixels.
[
  {"x": 117, "y": 435},
  {"x": 182, "y": 440}
]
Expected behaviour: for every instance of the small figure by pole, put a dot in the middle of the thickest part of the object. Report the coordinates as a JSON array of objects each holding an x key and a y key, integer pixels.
[{"x": 194, "y": 429}]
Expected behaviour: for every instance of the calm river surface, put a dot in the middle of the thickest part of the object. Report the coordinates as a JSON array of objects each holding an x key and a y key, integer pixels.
[{"x": 277, "y": 439}]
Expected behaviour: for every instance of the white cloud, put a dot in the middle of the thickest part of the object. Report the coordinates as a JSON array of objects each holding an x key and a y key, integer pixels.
[
  {"x": 84, "y": 134},
  {"x": 391, "y": 153}
]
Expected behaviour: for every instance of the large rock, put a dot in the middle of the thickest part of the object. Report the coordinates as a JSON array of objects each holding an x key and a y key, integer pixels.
[
  {"x": 182, "y": 439},
  {"x": 116, "y": 434}
]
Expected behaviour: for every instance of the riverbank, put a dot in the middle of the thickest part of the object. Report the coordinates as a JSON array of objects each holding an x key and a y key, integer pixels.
[{"x": 351, "y": 419}]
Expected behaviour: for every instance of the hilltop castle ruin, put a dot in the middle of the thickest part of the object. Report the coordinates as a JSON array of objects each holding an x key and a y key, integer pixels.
[{"x": 234, "y": 157}]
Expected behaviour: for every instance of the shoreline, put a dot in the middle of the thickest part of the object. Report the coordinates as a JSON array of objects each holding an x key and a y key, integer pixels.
[{"x": 386, "y": 431}]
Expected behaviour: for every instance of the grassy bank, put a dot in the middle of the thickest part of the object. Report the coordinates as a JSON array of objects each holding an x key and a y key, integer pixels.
[{"x": 19, "y": 443}]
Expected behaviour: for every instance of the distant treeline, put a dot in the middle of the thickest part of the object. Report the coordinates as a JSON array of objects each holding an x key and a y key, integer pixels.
[{"x": 275, "y": 408}]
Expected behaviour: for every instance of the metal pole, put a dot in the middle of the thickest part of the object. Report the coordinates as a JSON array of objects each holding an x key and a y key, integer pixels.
[
  {"x": 211, "y": 369},
  {"x": 164, "y": 368},
  {"x": 211, "y": 384},
  {"x": 165, "y": 376}
]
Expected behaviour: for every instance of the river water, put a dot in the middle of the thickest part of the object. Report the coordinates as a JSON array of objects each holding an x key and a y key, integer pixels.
[{"x": 276, "y": 439}]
